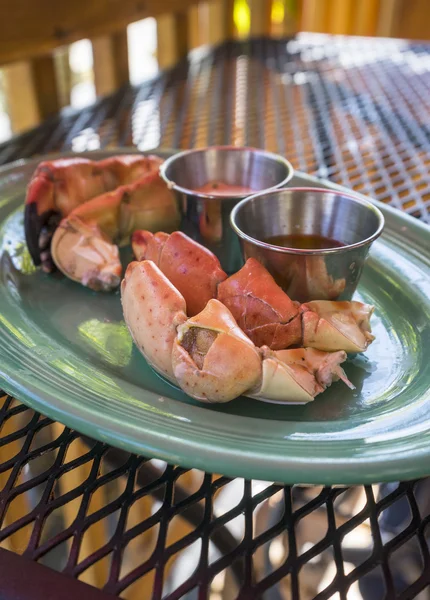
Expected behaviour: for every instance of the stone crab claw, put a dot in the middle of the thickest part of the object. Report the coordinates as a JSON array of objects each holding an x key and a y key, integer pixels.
[
  {"x": 329, "y": 325},
  {"x": 299, "y": 374},
  {"x": 57, "y": 187},
  {"x": 193, "y": 269},
  {"x": 153, "y": 308},
  {"x": 84, "y": 246},
  {"x": 213, "y": 360},
  {"x": 269, "y": 317},
  {"x": 264, "y": 312},
  {"x": 208, "y": 355}
]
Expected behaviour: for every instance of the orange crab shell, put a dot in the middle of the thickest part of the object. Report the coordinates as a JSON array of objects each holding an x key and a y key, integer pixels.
[
  {"x": 58, "y": 187},
  {"x": 193, "y": 269},
  {"x": 330, "y": 325},
  {"x": 208, "y": 355},
  {"x": 264, "y": 312},
  {"x": 84, "y": 245},
  {"x": 153, "y": 308},
  {"x": 231, "y": 365}
]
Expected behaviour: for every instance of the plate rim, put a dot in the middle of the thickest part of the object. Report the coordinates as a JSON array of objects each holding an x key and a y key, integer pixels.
[{"x": 292, "y": 471}]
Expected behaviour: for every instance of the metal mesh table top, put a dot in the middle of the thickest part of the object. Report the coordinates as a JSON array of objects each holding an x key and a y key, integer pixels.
[{"x": 355, "y": 111}]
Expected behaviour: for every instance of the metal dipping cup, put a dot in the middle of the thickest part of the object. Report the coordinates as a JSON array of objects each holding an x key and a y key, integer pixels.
[
  {"x": 205, "y": 217},
  {"x": 326, "y": 274}
]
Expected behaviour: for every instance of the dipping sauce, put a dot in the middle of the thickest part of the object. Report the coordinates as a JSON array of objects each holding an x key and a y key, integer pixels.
[
  {"x": 219, "y": 188},
  {"x": 304, "y": 241}
]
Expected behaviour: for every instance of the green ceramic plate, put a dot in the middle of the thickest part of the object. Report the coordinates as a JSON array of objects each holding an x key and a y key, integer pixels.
[{"x": 66, "y": 352}]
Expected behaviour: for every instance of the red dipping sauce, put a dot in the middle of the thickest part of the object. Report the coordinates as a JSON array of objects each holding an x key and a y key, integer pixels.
[{"x": 219, "y": 188}]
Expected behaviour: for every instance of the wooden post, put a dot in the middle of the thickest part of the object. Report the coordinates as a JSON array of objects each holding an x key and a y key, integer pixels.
[
  {"x": 365, "y": 19},
  {"x": 31, "y": 92},
  {"x": 261, "y": 17},
  {"x": 388, "y": 18},
  {"x": 110, "y": 55},
  {"x": 172, "y": 39},
  {"x": 229, "y": 25},
  {"x": 120, "y": 53},
  {"x": 314, "y": 15},
  {"x": 213, "y": 14},
  {"x": 46, "y": 88},
  {"x": 64, "y": 78},
  {"x": 21, "y": 100},
  {"x": 195, "y": 36},
  {"x": 217, "y": 20},
  {"x": 340, "y": 16},
  {"x": 292, "y": 17},
  {"x": 411, "y": 20}
]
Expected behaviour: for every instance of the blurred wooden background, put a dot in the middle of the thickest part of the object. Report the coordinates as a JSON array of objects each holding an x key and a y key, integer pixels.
[{"x": 36, "y": 76}]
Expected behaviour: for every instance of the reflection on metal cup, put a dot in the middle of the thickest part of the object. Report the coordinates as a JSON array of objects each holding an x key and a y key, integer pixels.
[
  {"x": 209, "y": 182},
  {"x": 329, "y": 273},
  {"x": 211, "y": 220}
]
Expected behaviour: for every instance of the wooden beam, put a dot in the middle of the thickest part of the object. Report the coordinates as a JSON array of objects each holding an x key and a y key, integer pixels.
[
  {"x": 20, "y": 96},
  {"x": 388, "y": 18},
  {"x": 412, "y": 20},
  {"x": 31, "y": 92},
  {"x": 340, "y": 16},
  {"x": 110, "y": 55},
  {"x": 120, "y": 55},
  {"x": 314, "y": 15},
  {"x": 229, "y": 25},
  {"x": 366, "y": 15},
  {"x": 172, "y": 39},
  {"x": 64, "y": 75},
  {"x": 45, "y": 84},
  {"x": 29, "y": 28},
  {"x": 261, "y": 17},
  {"x": 292, "y": 17},
  {"x": 195, "y": 35},
  {"x": 165, "y": 43},
  {"x": 216, "y": 20}
]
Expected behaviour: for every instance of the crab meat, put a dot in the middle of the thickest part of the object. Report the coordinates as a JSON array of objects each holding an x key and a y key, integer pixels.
[
  {"x": 60, "y": 186},
  {"x": 334, "y": 326},
  {"x": 193, "y": 269},
  {"x": 152, "y": 308},
  {"x": 84, "y": 246},
  {"x": 213, "y": 360}
]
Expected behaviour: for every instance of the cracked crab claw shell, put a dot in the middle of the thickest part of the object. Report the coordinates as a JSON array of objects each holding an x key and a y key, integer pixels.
[
  {"x": 213, "y": 360},
  {"x": 193, "y": 269},
  {"x": 82, "y": 252},
  {"x": 334, "y": 326},
  {"x": 261, "y": 308},
  {"x": 296, "y": 376},
  {"x": 153, "y": 308},
  {"x": 325, "y": 366},
  {"x": 285, "y": 383}
]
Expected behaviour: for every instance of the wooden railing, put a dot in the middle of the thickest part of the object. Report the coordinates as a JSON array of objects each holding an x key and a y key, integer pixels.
[{"x": 34, "y": 37}]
